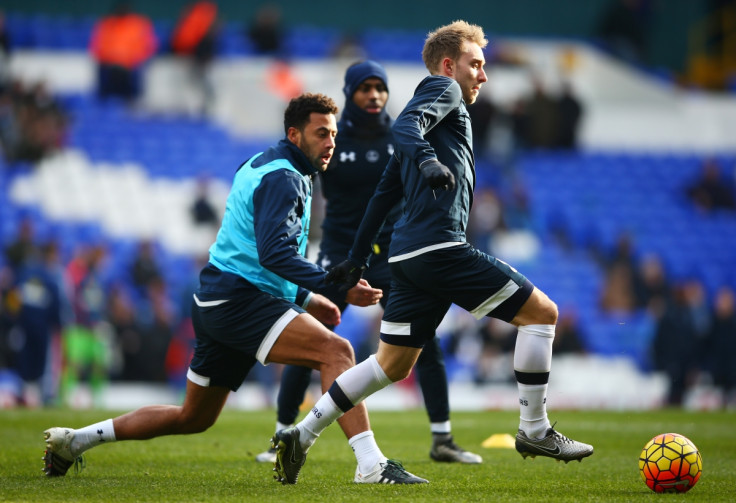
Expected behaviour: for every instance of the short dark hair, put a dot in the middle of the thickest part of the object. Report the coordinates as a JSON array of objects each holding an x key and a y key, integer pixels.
[{"x": 299, "y": 109}]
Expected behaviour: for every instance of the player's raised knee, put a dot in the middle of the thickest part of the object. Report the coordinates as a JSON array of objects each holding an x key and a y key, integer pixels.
[
  {"x": 537, "y": 310},
  {"x": 341, "y": 352},
  {"x": 548, "y": 312}
]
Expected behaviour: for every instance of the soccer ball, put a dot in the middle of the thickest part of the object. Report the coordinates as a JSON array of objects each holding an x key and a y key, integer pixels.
[{"x": 670, "y": 463}]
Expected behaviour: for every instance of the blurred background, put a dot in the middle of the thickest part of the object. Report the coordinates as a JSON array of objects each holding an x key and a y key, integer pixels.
[{"x": 606, "y": 173}]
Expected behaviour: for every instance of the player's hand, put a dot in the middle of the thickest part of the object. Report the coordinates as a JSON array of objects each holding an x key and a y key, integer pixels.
[
  {"x": 324, "y": 310},
  {"x": 346, "y": 273},
  {"x": 438, "y": 175},
  {"x": 363, "y": 294}
]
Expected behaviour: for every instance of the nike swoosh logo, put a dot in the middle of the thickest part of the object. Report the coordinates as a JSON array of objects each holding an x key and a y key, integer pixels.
[{"x": 554, "y": 451}]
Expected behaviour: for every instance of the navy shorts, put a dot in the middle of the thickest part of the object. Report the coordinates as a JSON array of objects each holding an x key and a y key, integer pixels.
[
  {"x": 424, "y": 287},
  {"x": 378, "y": 274},
  {"x": 232, "y": 335}
]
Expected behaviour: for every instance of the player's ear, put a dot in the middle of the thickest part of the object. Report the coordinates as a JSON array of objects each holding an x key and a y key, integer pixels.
[
  {"x": 448, "y": 67},
  {"x": 293, "y": 134}
]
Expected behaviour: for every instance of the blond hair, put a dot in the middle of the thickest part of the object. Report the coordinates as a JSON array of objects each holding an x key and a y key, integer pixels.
[{"x": 447, "y": 42}]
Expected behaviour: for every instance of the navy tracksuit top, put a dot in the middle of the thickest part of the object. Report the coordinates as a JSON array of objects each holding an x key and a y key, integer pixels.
[{"x": 434, "y": 125}]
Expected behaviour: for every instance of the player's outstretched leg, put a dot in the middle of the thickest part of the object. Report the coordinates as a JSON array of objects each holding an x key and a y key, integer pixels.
[
  {"x": 290, "y": 456},
  {"x": 388, "y": 472},
  {"x": 58, "y": 457},
  {"x": 554, "y": 445}
]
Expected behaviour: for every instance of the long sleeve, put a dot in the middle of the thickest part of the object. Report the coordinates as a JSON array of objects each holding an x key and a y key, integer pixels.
[
  {"x": 387, "y": 195},
  {"x": 434, "y": 99},
  {"x": 279, "y": 208}
]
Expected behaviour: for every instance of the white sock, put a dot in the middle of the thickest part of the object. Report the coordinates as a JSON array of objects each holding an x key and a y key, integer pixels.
[
  {"x": 366, "y": 451},
  {"x": 320, "y": 417},
  {"x": 533, "y": 351},
  {"x": 91, "y": 436},
  {"x": 533, "y": 407},
  {"x": 440, "y": 428},
  {"x": 363, "y": 380},
  {"x": 356, "y": 384},
  {"x": 533, "y": 354}
]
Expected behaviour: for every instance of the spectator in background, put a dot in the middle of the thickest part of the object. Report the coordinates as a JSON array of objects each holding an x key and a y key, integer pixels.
[
  {"x": 722, "y": 344},
  {"x": 700, "y": 312},
  {"x": 145, "y": 268},
  {"x": 568, "y": 338},
  {"x": 42, "y": 122},
  {"x": 265, "y": 33},
  {"x": 203, "y": 212},
  {"x": 9, "y": 134},
  {"x": 349, "y": 48},
  {"x": 569, "y": 113},
  {"x": 157, "y": 321},
  {"x": 712, "y": 191},
  {"x": 623, "y": 29},
  {"x": 121, "y": 43},
  {"x": 38, "y": 320},
  {"x": 121, "y": 316},
  {"x": 542, "y": 127},
  {"x": 86, "y": 349},
  {"x": 22, "y": 248},
  {"x": 617, "y": 293},
  {"x": 651, "y": 286},
  {"x": 9, "y": 307},
  {"x": 619, "y": 266},
  {"x": 32, "y": 123},
  {"x": 195, "y": 38},
  {"x": 674, "y": 345},
  {"x": 4, "y": 52}
]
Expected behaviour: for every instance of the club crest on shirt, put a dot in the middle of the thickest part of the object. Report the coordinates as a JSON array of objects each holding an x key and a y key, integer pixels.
[{"x": 372, "y": 156}]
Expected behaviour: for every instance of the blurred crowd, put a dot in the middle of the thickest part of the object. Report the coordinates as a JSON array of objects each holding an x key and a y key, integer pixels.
[
  {"x": 694, "y": 336},
  {"x": 66, "y": 322},
  {"x": 32, "y": 123}
]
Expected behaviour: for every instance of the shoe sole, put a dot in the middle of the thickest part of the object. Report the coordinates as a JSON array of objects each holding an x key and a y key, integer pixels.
[{"x": 531, "y": 454}]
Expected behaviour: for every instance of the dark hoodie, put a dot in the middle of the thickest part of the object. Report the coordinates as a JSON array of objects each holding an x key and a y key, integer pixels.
[{"x": 364, "y": 146}]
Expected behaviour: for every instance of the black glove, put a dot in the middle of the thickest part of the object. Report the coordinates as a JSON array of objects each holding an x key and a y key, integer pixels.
[
  {"x": 438, "y": 175},
  {"x": 346, "y": 274}
]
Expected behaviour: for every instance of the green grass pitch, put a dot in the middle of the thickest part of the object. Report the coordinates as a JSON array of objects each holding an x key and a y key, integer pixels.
[{"x": 218, "y": 465}]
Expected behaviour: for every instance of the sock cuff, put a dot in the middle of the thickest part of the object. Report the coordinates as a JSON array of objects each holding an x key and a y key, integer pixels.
[
  {"x": 538, "y": 330},
  {"x": 109, "y": 428},
  {"x": 381, "y": 376},
  {"x": 440, "y": 428},
  {"x": 360, "y": 436}
]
